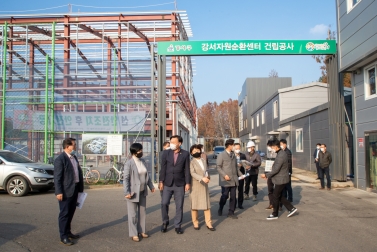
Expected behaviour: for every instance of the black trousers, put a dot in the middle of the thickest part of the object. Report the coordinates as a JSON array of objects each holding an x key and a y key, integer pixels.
[
  {"x": 225, "y": 192},
  {"x": 270, "y": 188},
  {"x": 253, "y": 179},
  {"x": 287, "y": 191},
  {"x": 179, "y": 195},
  {"x": 67, "y": 209},
  {"x": 318, "y": 169},
  {"x": 277, "y": 198},
  {"x": 240, "y": 192}
]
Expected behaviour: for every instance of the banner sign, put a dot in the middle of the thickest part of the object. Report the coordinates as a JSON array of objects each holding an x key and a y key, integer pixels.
[
  {"x": 80, "y": 121},
  {"x": 102, "y": 144},
  {"x": 247, "y": 47}
]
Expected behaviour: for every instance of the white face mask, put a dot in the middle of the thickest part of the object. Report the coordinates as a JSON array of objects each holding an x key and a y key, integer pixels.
[
  {"x": 167, "y": 148},
  {"x": 322, "y": 149},
  {"x": 318, "y": 147},
  {"x": 173, "y": 146},
  {"x": 269, "y": 148},
  {"x": 237, "y": 151},
  {"x": 282, "y": 147},
  {"x": 248, "y": 149}
]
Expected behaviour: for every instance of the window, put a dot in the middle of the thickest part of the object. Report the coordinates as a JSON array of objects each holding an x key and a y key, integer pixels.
[
  {"x": 351, "y": 4},
  {"x": 240, "y": 117},
  {"x": 252, "y": 123},
  {"x": 276, "y": 109},
  {"x": 370, "y": 81},
  {"x": 257, "y": 120},
  {"x": 262, "y": 115},
  {"x": 299, "y": 141}
]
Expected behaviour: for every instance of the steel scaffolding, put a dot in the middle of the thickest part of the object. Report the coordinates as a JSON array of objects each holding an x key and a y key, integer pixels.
[{"x": 56, "y": 64}]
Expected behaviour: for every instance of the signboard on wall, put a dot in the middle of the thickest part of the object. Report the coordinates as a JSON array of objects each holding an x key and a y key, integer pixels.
[
  {"x": 80, "y": 121},
  {"x": 268, "y": 166},
  {"x": 360, "y": 140},
  {"x": 102, "y": 144}
]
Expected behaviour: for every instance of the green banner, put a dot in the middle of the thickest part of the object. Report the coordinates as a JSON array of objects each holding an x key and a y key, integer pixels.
[{"x": 247, "y": 47}]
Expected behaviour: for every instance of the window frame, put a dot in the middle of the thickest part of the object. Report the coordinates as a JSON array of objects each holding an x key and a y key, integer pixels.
[
  {"x": 257, "y": 120},
  {"x": 351, "y": 6},
  {"x": 302, "y": 140},
  {"x": 263, "y": 116},
  {"x": 367, "y": 94},
  {"x": 276, "y": 109},
  {"x": 252, "y": 123}
]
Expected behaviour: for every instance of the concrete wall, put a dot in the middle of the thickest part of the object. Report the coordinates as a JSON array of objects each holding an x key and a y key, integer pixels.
[{"x": 187, "y": 131}]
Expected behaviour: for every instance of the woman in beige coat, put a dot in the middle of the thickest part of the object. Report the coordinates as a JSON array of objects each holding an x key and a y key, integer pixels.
[{"x": 199, "y": 193}]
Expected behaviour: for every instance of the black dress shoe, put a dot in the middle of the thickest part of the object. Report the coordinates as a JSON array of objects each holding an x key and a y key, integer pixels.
[
  {"x": 73, "y": 236},
  {"x": 220, "y": 212},
  {"x": 212, "y": 228},
  {"x": 241, "y": 207},
  {"x": 164, "y": 228},
  {"x": 179, "y": 230},
  {"x": 197, "y": 228},
  {"x": 66, "y": 241}
]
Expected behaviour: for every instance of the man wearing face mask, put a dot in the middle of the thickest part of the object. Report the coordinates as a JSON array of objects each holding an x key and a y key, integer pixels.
[
  {"x": 175, "y": 179},
  {"x": 240, "y": 156},
  {"x": 254, "y": 158},
  {"x": 316, "y": 158},
  {"x": 69, "y": 182},
  {"x": 279, "y": 176},
  {"x": 228, "y": 178},
  {"x": 325, "y": 159},
  {"x": 287, "y": 192}
]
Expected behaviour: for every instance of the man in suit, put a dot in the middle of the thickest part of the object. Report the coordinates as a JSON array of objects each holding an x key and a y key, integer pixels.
[
  {"x": 175, "y": 179},
  {"x": 287, "y": 192},
  {"x": 69, "y": 182},
  {"x": 279, "y": 176},
  {"x": 228, "y": 178},
  {"x": 254, "y": 158},
  {"x": 316, "y": 158},
  {"x": 240, "y": 156}
]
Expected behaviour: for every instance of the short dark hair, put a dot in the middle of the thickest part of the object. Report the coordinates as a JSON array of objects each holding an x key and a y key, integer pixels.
[
  {"x": 165, "y": 143},
  {"x": 237, "y": 144},
  {"x": 324, "y": 145},
  {"x": 180, "y": 139},
  {"x": 275, "y": 142},
  {"x": 200, "y": 145},
  {"x": 229, "y": 142},
  {"x": 195, "y": 146},
  {"x": 269, "y": 143},
  {"x": 67, "y": 142},
  {"x": 318, "y": 144},
  {"x": 73, "y": 139},
  {"x": 135, "y": 147},
  {"x": 283, "y": 141}
]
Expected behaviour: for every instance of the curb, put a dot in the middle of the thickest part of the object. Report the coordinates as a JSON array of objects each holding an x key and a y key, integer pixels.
[
  {"x": 101, "y": 186},
  {"x": 334, "y": 184}
]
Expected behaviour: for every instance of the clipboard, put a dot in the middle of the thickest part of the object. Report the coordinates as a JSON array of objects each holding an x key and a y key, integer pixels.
[{"x": 81, "y": 199}]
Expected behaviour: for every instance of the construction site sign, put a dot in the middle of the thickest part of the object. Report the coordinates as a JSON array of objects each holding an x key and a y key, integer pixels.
[{"x": 247, "y": 47}]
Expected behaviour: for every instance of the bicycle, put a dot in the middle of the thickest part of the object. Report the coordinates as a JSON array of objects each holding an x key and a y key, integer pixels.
[
  {"x": 115, "y": 173},
  {"x": 91, "y": 176}
]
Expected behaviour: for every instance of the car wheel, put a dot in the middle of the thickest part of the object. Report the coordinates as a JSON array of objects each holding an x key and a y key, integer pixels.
[{"x": 18, "y": 186}]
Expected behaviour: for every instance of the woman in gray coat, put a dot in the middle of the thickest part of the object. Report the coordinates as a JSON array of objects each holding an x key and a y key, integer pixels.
[
  {"x": 199, "y": 193},
  {"x": 136, "y": 180}
]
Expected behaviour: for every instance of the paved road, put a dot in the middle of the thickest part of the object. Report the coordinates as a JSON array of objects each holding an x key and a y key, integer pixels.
[{"x": 339, "y": 220}]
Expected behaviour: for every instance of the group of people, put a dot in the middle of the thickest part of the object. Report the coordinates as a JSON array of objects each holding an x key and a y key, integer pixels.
[{"x": 178, "y": 174}]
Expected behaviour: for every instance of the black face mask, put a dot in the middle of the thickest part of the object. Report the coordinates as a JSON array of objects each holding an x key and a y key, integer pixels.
[
  {"x": 139, "y": 155},
  {"x": 196, "y": 155}
]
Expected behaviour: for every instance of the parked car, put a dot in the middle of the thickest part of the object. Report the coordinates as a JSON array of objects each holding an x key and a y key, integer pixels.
[
  {"x": 261, "y": 153},
  {"x": 20, "y": 175},
  {"x": 217, "y": 150}
]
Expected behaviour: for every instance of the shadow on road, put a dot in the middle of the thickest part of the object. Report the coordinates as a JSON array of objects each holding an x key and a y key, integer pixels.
[{"x": 10, "y": 231}]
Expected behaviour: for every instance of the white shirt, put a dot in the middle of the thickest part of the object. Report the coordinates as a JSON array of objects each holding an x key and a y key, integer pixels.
[
  {"x": 75, "y": 167},
  {"x": 142, "y": 170}
]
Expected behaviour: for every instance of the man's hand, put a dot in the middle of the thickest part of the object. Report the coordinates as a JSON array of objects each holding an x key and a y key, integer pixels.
[
  {"x": 205, "y": 180},
  {"x": 59, "y": 197},
  {"x": 128, "y": 196},
  {"x": 239, "y": 164},
  {"x": 263, "y": 176},
  {"x": 227, "y": 178},
  {"x": 161, "y": 186},
  {"x": 187, "y": 187},
  {"x": 248, "y": 167},
  {"x": 316, "y": 159},
  {"x": 153, "y": 190}
]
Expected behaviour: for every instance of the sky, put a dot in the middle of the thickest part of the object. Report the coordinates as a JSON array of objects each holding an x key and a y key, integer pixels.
[{"x": 219, "y": 78}]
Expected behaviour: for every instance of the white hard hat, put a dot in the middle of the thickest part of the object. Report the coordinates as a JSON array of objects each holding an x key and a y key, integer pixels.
[{"x": 250, "y": 144}]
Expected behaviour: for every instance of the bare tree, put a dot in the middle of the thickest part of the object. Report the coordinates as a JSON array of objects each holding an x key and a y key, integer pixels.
[{"x": 273, "y": 74}]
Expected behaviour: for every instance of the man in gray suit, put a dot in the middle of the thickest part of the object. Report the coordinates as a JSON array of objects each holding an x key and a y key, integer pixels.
[
  {"x": 280, "y": 177},
  {"x": 175, "y": 179},
  {"x": 228, "y": 177}
]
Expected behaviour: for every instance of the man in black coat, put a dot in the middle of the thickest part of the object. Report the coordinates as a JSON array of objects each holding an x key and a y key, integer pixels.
[
  {"x": 175, "y": 179},
  {"x": 316, "y": 158},
  {"x": 287, "y": 192},
  {"x": 69, "y": 182},
  {"x": 254, "y": 158}
]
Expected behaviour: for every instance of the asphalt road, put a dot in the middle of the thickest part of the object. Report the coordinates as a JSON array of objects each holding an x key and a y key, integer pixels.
[{"x": 337, "y": 220}]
